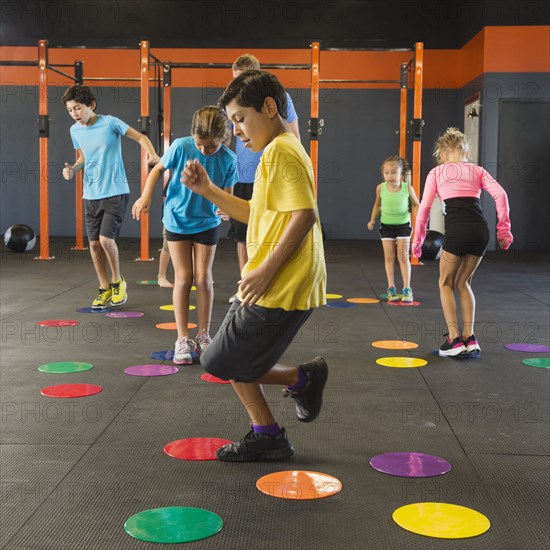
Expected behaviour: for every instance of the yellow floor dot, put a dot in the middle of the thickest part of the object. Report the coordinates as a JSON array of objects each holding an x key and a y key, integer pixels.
[
  {"x": 441, "y": 520},
  {"x": 401, "y": 362}
]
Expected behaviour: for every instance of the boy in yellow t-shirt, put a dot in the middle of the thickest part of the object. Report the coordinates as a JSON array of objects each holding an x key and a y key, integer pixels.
[{"x": 284, "y": 278}]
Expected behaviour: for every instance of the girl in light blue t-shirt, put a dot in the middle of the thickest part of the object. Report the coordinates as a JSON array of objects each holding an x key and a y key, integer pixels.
[{"x": 192, "y": 222}]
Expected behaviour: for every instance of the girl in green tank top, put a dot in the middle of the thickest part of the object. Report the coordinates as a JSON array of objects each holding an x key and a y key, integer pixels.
[{"x": 393, "y": 197}]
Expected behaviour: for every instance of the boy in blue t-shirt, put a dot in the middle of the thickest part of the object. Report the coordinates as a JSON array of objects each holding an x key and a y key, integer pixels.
[{"x": 106, "y": 190}]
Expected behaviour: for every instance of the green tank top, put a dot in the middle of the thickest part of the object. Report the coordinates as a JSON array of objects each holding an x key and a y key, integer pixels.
[{"x": 395, "y": 206}]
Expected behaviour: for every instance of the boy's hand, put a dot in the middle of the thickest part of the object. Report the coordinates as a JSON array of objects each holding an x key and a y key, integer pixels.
[
  {"x": 141, "y": 206},
  {"x": 68, "y": 171},
  {"x": 370, "y": 225},
  {"x": 195, "y": 177},
  {"x": 222, "y": 215},
  {"x": 254, "y": 285},
  {"x": 152, "y": 159}
]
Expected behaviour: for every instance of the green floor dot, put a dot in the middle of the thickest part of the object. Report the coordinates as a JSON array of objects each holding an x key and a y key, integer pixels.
[
  {"x": 147, "y": 282},
  {"x": 173, "y": 524},
  {"x": 540, "y": 362},
  {"x": 65, "y": 366}
]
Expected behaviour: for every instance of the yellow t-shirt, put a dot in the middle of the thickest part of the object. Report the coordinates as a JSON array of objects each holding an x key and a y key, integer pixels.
[{"x": 284, "y": 183}]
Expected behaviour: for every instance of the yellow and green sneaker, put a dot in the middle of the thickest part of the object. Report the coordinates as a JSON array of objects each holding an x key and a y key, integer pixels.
[
  {"x": 119, "y": 296},
  {"x": 102, "y": 299}
]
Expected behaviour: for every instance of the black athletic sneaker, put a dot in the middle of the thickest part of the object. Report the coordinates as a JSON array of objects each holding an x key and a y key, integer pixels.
[
  {"x": 452, "y": 349},
  {"x": 471, "y": 344},
  {"x": 309, "y": 399},
  {"x": 257, "y": 447}
]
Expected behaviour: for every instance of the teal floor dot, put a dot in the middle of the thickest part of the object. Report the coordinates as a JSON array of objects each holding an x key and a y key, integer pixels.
[
  {"x": 539, "y": 362},
  {"x": 173, "y": 524}
]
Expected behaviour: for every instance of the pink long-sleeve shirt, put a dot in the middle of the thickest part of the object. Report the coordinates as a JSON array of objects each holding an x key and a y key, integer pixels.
[{"x": 458, "y": 180}]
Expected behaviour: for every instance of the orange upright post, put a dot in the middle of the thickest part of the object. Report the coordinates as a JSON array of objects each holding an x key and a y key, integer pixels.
[
  {"x": 167, "y": 129},
  {"x": 418, "y": 123},
  {"x": 314, "y": 120},
  {"x": 79, "y": 213},
  {"x": 144, "y": 79},
  {"x": 43, "y": 132},
  {"x": 403, "y": 113}
]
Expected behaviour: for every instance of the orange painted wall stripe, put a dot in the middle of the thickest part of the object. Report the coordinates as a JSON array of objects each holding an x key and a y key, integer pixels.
[
  {"x": 494, "y": 49},
  {"x": 517, "y": 49},
  {"x": 472, "y": 58}
]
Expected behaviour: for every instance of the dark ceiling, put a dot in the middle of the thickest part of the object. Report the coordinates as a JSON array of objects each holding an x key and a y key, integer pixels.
[{"x": 354, "y": 24}]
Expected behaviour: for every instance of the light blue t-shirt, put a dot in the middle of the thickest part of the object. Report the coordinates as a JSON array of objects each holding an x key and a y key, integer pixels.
[
  {"x": 247, "y": 160},
  {"x": 104, "y": 174},
  {"x": 186, "y": 212}
]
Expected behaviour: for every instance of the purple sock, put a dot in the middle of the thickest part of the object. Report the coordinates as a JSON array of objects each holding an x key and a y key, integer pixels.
[
  {"x": 302, "y": 381},
  {"x": 272, "y": 430}
]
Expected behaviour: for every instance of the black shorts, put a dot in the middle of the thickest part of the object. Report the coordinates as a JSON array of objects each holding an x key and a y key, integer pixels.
[
  {"x": 392, "y": 232},
  {"x": 466, "y": 238},
  {"x": 250, "y": 341},
  {"x": 210, "y": 237},
  {"x": 104, "y": 217},
  {"x": 238, "y": 229}
]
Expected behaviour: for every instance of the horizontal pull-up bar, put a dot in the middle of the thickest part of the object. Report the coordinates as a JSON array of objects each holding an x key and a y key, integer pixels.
[
  {"x": 19, "y": 63},
  {"x": 368, "y": 49},
  {"x": 342, "y": 80},
  {"x": 110, "y": 79},
  {"x": 302, "y": 67}
]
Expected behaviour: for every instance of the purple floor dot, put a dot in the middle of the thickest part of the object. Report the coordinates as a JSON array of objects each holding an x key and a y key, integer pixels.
[
  {"x": 528, "y": 348},
  {"x": 410, "y": 464},
  {"x": 151, "y": 370},
  {"x": 125, "y": 314}
]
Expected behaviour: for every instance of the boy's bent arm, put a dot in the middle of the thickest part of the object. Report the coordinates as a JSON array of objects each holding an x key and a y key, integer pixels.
[
  {"x": 258, "y": 281},
  {"x": 196, "y": 178},
  {"x": 145, "y": 143}
]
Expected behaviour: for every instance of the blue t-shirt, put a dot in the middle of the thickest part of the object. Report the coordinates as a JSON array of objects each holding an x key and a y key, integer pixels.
[
  {"x": 104, "y": 174},
  {"x": 247, "y": 160},
  {"x": 186, "y": 212}
]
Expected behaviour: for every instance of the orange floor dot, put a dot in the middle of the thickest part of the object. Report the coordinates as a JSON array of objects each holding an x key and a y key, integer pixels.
[
  {"x": 394, "y": 344},
  {"x": 172, "y": 326},
  {"x": 363, "y": 300},
  {"x": 299, "y": 485}
]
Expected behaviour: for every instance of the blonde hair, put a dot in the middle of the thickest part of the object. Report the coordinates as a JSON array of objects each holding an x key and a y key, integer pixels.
[
  {"x": 246, "y": 62},
  {"x": 401, "y": 163},
  {"x": 451, "y": 140},
  {"x": 210, "y": 122}
]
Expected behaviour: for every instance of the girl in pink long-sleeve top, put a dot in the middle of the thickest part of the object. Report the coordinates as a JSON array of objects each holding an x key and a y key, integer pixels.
[{"x": 458, "y": 185}]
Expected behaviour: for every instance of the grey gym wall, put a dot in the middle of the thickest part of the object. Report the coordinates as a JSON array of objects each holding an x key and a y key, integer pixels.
[
  {"x": 495, "y": 88},
  {"x": 359, "y": 132}
]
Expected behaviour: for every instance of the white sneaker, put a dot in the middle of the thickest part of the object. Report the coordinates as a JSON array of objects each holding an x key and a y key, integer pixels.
[
  {"x": 203, "y": 341},
  {"x": 182, "y": 351},
  {"x": 232, "y": 299}
]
